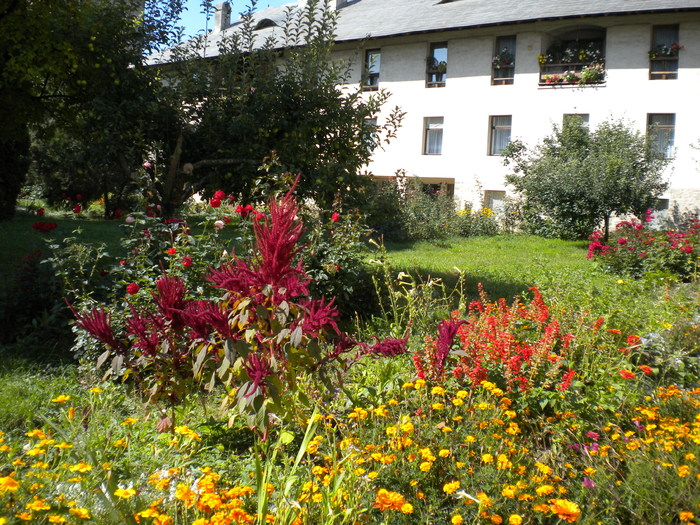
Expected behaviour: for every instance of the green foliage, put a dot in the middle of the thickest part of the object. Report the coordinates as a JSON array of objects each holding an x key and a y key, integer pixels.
[{"x": 576, "y": 179}]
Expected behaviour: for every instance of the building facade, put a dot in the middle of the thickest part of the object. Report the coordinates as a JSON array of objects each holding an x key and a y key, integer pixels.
[{"x": 471, "y": 75}]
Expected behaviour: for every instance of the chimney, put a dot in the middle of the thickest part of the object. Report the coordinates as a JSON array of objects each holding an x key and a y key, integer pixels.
[{"x": 222, "y": 16}]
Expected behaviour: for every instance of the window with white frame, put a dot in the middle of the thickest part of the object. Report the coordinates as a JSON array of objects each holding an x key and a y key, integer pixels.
[
  {"x": 499, "y": 136},
  {"x": 432, "y": 141},
  {"x": 662, "y": 132}
]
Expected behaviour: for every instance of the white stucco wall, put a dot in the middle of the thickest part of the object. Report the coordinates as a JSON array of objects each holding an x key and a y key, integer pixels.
[{"x": 468, "y": 99}]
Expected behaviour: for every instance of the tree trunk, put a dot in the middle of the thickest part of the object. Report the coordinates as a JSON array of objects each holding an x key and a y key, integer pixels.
[{"x": 14, "y": 160}]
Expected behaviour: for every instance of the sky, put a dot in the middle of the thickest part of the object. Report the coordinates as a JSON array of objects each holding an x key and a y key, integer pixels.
[{"x": 194, "y": 21}]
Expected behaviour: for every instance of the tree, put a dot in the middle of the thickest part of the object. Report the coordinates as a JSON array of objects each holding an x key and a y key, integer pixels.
[
  {"x": 79, "y": 80},
  {"x": 280, "y": 104},
  {"x": 577, "y": 179}
]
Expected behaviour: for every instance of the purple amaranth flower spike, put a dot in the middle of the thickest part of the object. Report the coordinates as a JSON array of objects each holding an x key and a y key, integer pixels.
[
  {"x": 257, "y": 369},
  {"x": 389, "y": 347},
  {"x": 170, "y": 299},
  {"x": 319, "y": 316},
  {"x": 276, "y": 245},
  {"x": 98, "y": 324},
  {"x": 446, "y": 335}
]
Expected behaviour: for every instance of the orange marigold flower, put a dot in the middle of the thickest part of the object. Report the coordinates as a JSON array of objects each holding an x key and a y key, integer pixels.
[
  {"x": 386, "y": 500},
  {"x": 566, "y": 510},
  {"x": 685, "y": 516},
  {"x": 80, "y": 512}
]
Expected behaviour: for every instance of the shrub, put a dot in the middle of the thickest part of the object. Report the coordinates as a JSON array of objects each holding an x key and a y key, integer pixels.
[{"x": 634, "y": 249}]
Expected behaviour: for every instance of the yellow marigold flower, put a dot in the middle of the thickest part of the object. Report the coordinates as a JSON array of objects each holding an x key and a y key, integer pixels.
[
  {"x": 685, "y": 516},
  {"x": 38, "y": 504},
  {"x": 503, "y": 462},
  {"x": 470, "y": 439},
  {"x": 96, "y": 390},
  {"x": 63, "y": 445},
  {"x": 566, "y": 510},
  {"x": 450, "y": 488},
  {"x": 457, "y": 519},
  {"x": 419, "y": 383},
  {"x": 55, "y": 518},
  {"x": 71, "y": 413},
  {"x": 544, "y": 490},
  {"x": 683, "y": 471},
  {"x": 80, "y": 512},
  {"x": 508, "y": 491},
  {"x": 437, "y": 406},
  {"x": 407, "y": 385},
  {"x": 373, "y": 475},
  {"x": 444, "y": 453},
  {"x": 80, "y": 467},
  {"x": 487, "y": 458},
  {"x": 381, "y": 411},
  {"x": 497, "y": 392},
  {"x": 690, "y": 456},
  {"x": 496, "y": 519},
  {"x": 407, "y": 508},
  {"x": 541, "y": 507},
  {"x": 41, "y": 465},
  {"x": 438, "y": 391},
  {"x": 163, "y": 519},
  {"x": 60, "y": 399},
  {"x": 457, "y": 401},
  {"x": 406, "y": 426},
  {"x": 124, "y": 493},
  {"x": 513, "y": 428},
  {"x": 393, "y": 402},
  {"x": 129, "y": 421},
  {"x": 36, "y": 451},
  {"x": 425, "y": 466},
  {"x": 488, "y": 385},
  {"x": 544, "y": 469},
  {"x": 36, "y": 433},
  {"x": 446, "y": 429},
  {"x": 515, "y": 519},
  {"x": 589, "y": 471},
  {"x": 187, "y": 432},
  {"x": 462, "y": 394},
  {"x": 24, "y": 516}
]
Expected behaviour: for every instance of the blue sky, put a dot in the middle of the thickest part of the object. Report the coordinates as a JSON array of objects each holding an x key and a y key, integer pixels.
[{"x": 194, "y": 21}]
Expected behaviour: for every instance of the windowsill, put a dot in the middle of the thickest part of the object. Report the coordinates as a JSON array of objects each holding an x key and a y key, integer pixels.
[
  {"x": 435, "y": 84},
  {"x": 370, "y": 88},
  {"x": 553, "y": 85},
  {"x": 432, "y": 154}
]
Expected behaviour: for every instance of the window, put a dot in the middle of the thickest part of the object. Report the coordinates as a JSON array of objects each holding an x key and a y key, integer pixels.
[
  {"x": 495, "y": 201},
  {"x": 575, "y": 57},
  {"x": 369, "y": 131},
  {"x": 503, "y": 62},
  {"x": 500, "y": 133},
  {"x": 663, "y": 55},
  {"x": 437, "y": 65},
  {"x": 373, "y": 58},
  {"x": 583, "y": 117},
  {"x": 662, "y": 127},
  {"x": 433, "y": 135}
]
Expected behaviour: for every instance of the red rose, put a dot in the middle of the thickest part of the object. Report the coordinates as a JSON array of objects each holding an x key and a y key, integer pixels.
[
  {"x": 77, "y": 208},
  {"x": 215, "y": 203},
  {"x": 132, "y": 288},
  {"x": 122, "y": 262},
  {"x": 187, "y": 262},
  {"x": 78, "y": 197},
  {"x": 335, "y": 217},
  {"x": 219, "y": 195},
  {"x": 172, "y": 251},
  {"x": 226, "y": 219},
  {"x": 40, "y": 212}
]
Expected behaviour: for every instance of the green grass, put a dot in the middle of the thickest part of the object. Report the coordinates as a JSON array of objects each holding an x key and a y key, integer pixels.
[{"x": 505, "y": 265}]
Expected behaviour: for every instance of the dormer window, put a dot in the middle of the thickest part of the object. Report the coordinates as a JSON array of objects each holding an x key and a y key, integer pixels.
[{"x": 265, "y": 22}]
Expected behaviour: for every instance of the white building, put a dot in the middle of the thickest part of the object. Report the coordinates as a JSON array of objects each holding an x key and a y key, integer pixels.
[{"x": 473, "y": 74}]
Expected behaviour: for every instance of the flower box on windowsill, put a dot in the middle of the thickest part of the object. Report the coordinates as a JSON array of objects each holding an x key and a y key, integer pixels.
[{"x": 571, "y": 74}]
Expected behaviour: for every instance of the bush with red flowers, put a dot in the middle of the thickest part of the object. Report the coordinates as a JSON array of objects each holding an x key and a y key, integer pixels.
[{"x": 635, "y": 249}]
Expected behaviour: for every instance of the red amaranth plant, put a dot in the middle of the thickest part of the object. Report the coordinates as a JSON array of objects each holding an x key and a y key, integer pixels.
[{"x": 259, "y": 339}]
